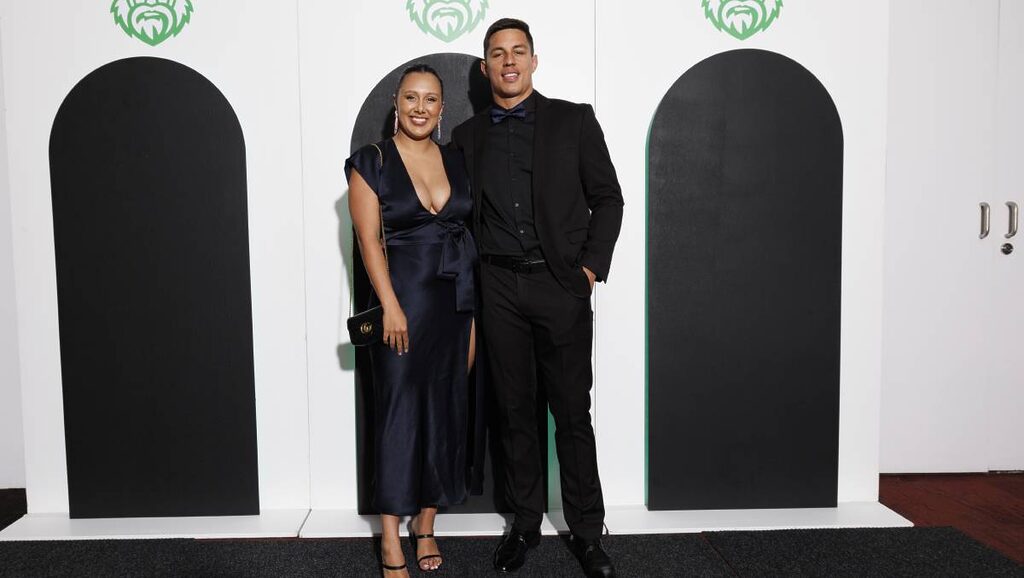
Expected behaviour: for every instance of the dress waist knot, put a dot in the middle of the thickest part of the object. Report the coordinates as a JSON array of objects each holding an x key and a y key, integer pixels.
[{"x": 458, "y": 255}]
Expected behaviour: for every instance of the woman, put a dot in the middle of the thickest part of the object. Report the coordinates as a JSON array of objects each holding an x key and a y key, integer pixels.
[{"x": 422, "y": 275}]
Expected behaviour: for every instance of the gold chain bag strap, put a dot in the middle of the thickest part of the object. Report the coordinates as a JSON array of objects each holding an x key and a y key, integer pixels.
[{"x": 367, "y": 327}]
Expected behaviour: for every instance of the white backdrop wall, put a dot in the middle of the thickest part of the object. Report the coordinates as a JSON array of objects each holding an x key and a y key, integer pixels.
[
  {"x": 640, "y": 54},
  {"x": 297, "y": 73},
  {"x": 345, "y": 51},
  {"x": 625, "y": 72},
  {"x": 250, "y": 54},
  {"x": 12, "y": 457}
]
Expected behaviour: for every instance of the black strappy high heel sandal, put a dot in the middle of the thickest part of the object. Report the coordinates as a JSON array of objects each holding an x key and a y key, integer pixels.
[
  {"x": 416, "y": 540},
  {"x": 385, "y": 567},
  {"x": 388, "y": 568},
  {"x": 419, "y": 560}
]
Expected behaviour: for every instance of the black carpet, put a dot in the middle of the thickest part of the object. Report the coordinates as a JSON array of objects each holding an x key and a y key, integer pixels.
[
  {"x": 930, "y": 552},
  {"x": 635, "y": 555},
  {"x": 862, "y": 553}
]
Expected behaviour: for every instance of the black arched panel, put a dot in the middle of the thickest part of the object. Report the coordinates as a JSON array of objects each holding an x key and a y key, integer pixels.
[
  {"x": 147, "y": 169},
  {"x": 466, "y": 92},
  {"x": 745, "y": 181}
]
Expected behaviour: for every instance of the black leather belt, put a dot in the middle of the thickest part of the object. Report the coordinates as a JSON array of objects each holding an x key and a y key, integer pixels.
[{"x": 515, "y": 264}]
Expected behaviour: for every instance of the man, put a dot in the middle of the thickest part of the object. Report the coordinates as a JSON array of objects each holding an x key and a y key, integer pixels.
[{"x": 547, "y": 212}]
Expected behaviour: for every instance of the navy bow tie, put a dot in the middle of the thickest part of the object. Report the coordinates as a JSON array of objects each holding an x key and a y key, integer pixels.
[{"x": 499, "y": 114}]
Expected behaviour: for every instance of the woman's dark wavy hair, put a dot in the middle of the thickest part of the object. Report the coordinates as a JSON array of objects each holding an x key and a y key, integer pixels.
[{"x": 420, "y": 67}]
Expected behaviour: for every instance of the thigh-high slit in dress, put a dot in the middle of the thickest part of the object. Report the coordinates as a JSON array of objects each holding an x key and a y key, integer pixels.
[{"x": 422, "y": 415}]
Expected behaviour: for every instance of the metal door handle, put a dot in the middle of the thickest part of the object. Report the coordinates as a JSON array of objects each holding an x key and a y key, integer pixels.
[
  {"x": 986, "y": 220},
  {"x": 1014, "y": 219}
]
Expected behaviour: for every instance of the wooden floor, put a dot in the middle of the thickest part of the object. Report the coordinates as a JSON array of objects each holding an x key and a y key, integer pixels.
[{"x": 986, "y": 507}]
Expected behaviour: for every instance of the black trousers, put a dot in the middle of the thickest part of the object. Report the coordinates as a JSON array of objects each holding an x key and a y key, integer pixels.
[{"x": 540, "y": 335}]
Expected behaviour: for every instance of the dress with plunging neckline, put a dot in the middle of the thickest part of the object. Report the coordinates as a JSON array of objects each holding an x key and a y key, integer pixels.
[
  {"x": 421, "y": 398},
  {"x": 408, "y": 174}
]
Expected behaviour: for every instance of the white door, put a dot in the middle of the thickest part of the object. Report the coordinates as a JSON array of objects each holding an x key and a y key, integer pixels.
[
  {"x": 939, "y": 282},
  {"x": 1006, "y": 331}
]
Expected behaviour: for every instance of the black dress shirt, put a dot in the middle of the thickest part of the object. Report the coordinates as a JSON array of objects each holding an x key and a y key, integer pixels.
[{"x": 506, "y": 212}]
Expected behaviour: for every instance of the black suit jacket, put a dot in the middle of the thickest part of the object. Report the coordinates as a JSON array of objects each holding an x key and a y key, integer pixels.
[{"x": 577, "y": 201}]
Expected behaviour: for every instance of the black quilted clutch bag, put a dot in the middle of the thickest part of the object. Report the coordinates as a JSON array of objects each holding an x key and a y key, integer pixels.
[{"x": 367, "y": 327}]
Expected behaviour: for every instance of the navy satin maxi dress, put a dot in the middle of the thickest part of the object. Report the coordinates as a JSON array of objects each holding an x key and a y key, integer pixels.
[{"x": 421, "y": 398}]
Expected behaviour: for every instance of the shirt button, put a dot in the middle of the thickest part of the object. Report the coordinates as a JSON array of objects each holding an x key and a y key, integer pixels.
[
  {"x": 521, "y": 231},
  {"x": 517, "y": 206}
]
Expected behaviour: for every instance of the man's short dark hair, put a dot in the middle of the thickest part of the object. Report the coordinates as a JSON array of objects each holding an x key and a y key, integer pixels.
[{"x": 507, "y": 24}]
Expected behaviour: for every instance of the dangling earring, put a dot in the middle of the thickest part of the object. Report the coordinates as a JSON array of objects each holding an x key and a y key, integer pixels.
[
  {"x": 439, "y": 119},
  {"x": 396, "y": 122}
]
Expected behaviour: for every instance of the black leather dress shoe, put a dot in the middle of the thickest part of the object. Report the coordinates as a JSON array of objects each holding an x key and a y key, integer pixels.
[
  {"x": 593, "y": 558},
  {"x": 511, "y": 553}
]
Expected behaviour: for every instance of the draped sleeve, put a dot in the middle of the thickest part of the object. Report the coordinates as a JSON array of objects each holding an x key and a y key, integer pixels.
[{"x": 367, "y": 162}]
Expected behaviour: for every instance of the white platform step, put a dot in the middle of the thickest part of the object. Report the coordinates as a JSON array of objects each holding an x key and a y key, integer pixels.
[
  {"x": 269, "y": 524},
  {"x": 349, "y": 524},
  {"x": 627, "y": 520},
  {"x": 638, "y": 520}
]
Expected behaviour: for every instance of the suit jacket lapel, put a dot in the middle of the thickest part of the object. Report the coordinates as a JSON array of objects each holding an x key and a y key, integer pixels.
[
  {"x": 479, "y": 139},
  {"x": 541, "y": 125},
  {"x": 480, "y": 124}
]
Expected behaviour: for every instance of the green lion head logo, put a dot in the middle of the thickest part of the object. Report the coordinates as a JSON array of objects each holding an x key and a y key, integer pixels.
[
  {"x": 742, "y": 18},
  {"x": 446, "y": 19},
  {"x": 151, "y": 21}
]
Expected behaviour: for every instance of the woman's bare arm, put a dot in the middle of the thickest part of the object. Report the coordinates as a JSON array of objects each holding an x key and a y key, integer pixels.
[{"x": 365, "y": 210}]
